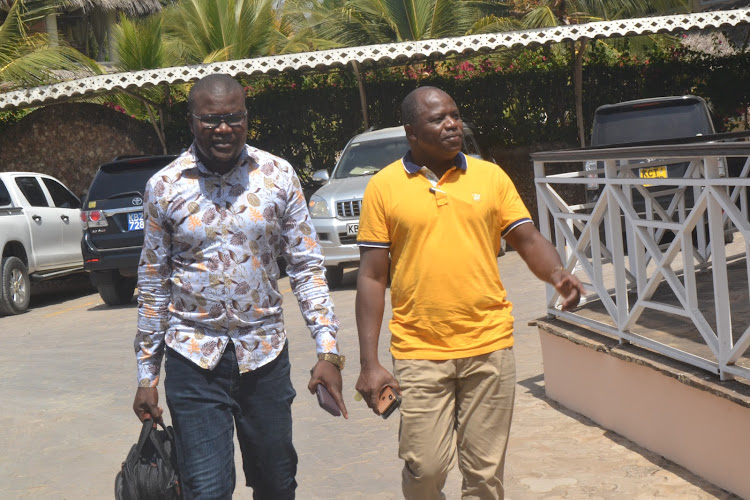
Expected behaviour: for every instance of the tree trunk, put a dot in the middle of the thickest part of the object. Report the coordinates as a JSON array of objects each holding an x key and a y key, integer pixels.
[
  {"x": 362, "y": 95},
  {"x": 578, "y": 89}
]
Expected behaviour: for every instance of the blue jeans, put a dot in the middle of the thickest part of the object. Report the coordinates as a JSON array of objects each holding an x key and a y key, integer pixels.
[{"x": 205, "y": 406}]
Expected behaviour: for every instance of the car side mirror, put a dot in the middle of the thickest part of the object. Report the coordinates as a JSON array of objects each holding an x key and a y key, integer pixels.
[{"x": 320, "y": 176}]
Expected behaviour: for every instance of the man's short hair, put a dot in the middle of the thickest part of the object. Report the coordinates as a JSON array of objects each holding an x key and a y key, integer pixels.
[
  {"x": 409, "y": 106},
  {"x": 216, "y": 81}
]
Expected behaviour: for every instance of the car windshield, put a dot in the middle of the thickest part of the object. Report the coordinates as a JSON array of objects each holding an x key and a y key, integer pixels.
[{"x": 367, "y": 157}]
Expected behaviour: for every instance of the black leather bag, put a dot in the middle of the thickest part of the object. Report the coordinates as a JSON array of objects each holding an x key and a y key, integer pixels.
[{"x": 150, "y": 470}]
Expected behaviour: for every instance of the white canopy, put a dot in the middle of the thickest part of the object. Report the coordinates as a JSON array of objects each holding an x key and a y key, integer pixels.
[{"x": 385, "y": 54}]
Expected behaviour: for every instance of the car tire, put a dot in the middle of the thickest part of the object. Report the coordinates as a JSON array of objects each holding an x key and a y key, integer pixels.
[
  {"x": 334, "y": 276},
  {"x": 15, "y": 288},
  {"x": 118, "y": 292}
]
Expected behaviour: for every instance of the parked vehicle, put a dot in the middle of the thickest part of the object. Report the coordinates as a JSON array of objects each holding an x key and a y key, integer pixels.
[
  {"x": 658, "y": 120},
  {"x": 39, "y": 235},
  {"x": 335, "y": 206},
  {"x": 649, "y": 120},
  {"x": 112, "y": 220}
]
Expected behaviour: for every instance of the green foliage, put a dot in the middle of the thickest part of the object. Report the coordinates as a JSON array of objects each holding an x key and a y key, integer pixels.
[
  {"x": 366, "y": 22},
  {"x": 139, "y": 44},
  {"x": 204, "y": 31},
  {"x": 516, "y": 99},
  {"x": 30, "y": 60},
  {"x": 8, "y": 118}
]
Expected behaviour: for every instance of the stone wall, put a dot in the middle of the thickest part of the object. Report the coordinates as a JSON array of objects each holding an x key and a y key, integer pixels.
[{"x": 70, "y": 141}]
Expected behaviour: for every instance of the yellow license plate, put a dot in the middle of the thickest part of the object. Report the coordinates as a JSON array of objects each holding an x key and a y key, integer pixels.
[{"x": 653, "y": 173}]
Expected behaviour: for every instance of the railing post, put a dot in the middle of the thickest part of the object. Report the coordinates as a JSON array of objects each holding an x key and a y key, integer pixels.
[
  {"x": 613, "y": 228},
  {"x": 719, "y": 267},
  {"x": 544, "y": 219}
]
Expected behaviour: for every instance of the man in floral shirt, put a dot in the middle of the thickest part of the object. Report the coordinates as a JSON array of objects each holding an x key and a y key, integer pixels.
[{"x": 216, "y": 219}]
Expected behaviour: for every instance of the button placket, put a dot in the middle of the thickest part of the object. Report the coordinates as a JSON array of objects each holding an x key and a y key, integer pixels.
[{"x": 441, "y": 197}]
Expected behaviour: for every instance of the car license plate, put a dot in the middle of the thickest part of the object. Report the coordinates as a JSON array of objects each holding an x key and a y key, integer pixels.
[
  {"x": 135, "y": 221},
  {"x": 653, "y": 173},
  {"x": 352, "y": 229}
]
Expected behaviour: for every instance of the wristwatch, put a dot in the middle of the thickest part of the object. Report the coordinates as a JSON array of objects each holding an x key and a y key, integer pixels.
[{"x": 336, "y": 359}]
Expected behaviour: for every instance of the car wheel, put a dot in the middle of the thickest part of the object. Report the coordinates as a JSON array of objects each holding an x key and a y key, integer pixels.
[
  {"x": 118, "y": 292},
  {"x": 15, "y": 290},
  {"x": 334, "y": 275}
]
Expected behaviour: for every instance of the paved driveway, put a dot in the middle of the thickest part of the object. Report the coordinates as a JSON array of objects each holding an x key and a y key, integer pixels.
[{"x": 69, "y": 377}]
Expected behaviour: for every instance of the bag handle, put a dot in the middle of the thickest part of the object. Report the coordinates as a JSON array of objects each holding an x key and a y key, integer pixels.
[
  {"x": 148, "y": 424},
  {"x": 160, "y": 447}
]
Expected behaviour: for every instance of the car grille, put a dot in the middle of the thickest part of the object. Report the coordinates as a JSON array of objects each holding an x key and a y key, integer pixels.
[
  {"x": 346, "y": 209},
  {"x": 347, "y": 239}
]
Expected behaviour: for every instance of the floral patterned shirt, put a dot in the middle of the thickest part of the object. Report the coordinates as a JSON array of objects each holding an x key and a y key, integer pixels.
[{"x": 208, "y": 270}]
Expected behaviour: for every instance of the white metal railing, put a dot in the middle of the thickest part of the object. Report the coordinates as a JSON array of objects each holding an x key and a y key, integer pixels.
[{"x": 664, "y": 260}]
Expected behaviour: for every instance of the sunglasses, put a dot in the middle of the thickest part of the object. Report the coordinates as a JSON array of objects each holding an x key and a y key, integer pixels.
[{"x": 212, "y": 121}]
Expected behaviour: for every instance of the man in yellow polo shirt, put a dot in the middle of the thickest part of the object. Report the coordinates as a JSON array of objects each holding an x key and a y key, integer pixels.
[{"x": 440, "y": 215}]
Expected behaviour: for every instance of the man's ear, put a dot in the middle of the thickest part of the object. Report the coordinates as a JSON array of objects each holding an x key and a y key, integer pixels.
[{"x": 410, "y": 132}]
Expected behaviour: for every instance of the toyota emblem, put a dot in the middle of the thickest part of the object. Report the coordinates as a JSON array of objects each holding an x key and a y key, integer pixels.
[{"x": 137, "y": 201}]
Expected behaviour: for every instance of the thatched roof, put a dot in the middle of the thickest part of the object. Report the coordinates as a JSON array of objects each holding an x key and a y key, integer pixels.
[{"x": 130, "y": 7}]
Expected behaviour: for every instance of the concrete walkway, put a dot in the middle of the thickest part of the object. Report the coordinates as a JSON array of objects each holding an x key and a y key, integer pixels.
[{"x": 69, "y": 379}]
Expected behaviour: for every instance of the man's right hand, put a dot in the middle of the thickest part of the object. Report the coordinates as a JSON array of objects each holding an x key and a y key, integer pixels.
[
  {"x": 146, "y": 404},
  {"x": 371, "y": 383}
]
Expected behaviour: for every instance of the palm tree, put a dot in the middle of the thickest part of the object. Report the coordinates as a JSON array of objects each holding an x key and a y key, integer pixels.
[
  {"x": 139, "y": 44},
  {"x": 351, "y": 23},
  {"x": 204, "y": 31},
  {"x": 325, "y": 24},
  {"x": 547, "y": 13},
  {"x": 29, "y": 60}
]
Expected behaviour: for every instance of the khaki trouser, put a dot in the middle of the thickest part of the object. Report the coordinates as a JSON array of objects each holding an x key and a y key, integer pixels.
[{"x": 471, "y": 396}]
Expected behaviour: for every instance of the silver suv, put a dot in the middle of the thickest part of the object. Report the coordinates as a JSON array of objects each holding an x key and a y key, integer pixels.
[{"x": 335, "y": 206}]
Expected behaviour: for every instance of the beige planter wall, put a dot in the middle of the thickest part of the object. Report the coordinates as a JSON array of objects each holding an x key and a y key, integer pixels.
[{"x": 701, "y": 426}]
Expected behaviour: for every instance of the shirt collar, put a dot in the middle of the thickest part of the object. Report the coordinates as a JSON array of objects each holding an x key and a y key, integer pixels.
[
  {"x": 243, "y": 159},
  {"x": 459, "y": 161}
]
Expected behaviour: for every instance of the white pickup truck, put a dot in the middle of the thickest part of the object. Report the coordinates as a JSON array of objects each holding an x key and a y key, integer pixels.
[{"x": 40, "y": 235}]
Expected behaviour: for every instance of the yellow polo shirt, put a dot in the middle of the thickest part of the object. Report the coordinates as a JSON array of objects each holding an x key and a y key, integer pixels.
[{"x": 444, "y": 236}]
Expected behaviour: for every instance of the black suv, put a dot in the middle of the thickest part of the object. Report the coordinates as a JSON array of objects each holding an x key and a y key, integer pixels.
[
  {"x": 652, "y": 121},
  {"x": 112, "y": 219}
]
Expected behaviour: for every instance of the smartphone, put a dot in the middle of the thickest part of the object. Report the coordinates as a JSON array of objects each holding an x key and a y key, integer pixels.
[
  {"x": 388, "y": 401},
  {"x": 326, "y": 401}
]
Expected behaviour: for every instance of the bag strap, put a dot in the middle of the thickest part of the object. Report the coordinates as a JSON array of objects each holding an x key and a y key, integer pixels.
[
  {"x": 159, "y": 445},
  {"x": 145, "y": 433}
]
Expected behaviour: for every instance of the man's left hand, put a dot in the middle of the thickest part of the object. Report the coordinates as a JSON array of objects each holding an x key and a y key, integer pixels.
[{"x": 326, "y": 373}]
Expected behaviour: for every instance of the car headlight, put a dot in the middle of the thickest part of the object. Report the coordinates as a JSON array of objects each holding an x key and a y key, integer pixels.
[{"x": 318, "y": 207}]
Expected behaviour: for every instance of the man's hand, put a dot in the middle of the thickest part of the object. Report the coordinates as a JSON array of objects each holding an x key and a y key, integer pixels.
[
  {"x": 569, "y": 287},
  {"x": 371, "y": 383},
  {"x": 146, "y": 404},
  {"x": 326, "y": 373}
]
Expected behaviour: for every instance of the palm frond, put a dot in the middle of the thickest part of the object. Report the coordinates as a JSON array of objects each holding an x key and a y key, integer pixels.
[
  {"x": 44, "y": 64},
  {"x": 139, "y": 44},
  {"x": 202, "y": 30},
  {"x": 541, "y": 17},
  {"x": 492, "y": 24},
  {"x": 30, "y": 60}
]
